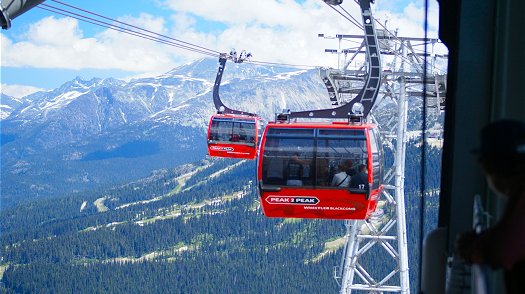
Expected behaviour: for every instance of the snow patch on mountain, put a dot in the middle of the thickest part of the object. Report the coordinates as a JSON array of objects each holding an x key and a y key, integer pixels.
[
  {"x": 60, "y": 101},
  {"x": 289, "y": 75},
  {"x": 8, "y": 104}
]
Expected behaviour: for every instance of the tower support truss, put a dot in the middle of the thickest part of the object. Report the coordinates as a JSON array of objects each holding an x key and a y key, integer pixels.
[{"x": 385, "y": 233}]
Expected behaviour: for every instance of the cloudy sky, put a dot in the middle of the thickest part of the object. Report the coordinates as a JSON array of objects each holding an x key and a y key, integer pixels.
[{"x": 42, "y": 50}]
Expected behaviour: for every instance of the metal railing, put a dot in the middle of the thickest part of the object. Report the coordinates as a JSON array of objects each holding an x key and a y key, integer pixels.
[
  {"x": 462, "y": 278},
  {"x": 480, "y": 273}
]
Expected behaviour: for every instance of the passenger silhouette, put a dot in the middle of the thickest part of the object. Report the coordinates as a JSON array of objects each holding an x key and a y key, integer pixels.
[
  {"x": 502, "y": 157},
  {"x": 342, "y": 178},
  {"x": 360, "y": 179},
  {"x": 294, "y": 171}
]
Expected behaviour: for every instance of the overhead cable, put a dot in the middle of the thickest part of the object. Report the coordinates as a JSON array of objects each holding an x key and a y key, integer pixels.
[
  {"x": 117, "y": 28},
  {"x": 152, "y": 36},
  {"x": 359, "y": 25},
  {"x": 350, "y": 19},
  {"x": 395, "y": 36},
  {"x": 167, "y": 40},
  {"x": 183, "y": 43}
]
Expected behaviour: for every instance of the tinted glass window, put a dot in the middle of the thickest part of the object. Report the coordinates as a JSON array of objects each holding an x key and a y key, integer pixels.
[
  {"x": 347, "y": 134},
  {"x": 337, "y": 158},
  {"x": 291, "y": 132},
  {"x": 377, "y": 158},
  {"x": 243, "y": 132},
  {"x": 221, "y": 129},
  {"x": 233, "y": 130},
  {"x": 288, "y": 161}
]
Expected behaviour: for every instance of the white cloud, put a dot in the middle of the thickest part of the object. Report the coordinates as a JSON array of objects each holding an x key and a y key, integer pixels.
[
  {"x": 183, "y": 22},
  {"x": 274, "y": 31},
  {"x": 50, "y": 31},
  {"x": 281, "y": 31},
  {"x": 59, "y": 43},
  {"x": 19, "y": 91},
  {"x": 269, "y": 12},
  {"x": 409, "y": 21},
  {"x": 286, "y": 31}
]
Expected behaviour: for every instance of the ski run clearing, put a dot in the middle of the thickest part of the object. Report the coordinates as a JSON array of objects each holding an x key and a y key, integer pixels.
[
  {"x": 99, "y": 203},
  {"x": 329, "y": 247}
]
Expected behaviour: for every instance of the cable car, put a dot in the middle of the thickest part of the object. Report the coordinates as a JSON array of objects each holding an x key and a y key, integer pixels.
[
  {"x": 299, "y": 170},
  {"x": 233, "y": 136}
]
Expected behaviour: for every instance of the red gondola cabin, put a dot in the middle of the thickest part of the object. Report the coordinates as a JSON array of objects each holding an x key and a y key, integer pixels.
[
  {"x": 311, "y": 170},
  {"x": 233, "y": 136}
]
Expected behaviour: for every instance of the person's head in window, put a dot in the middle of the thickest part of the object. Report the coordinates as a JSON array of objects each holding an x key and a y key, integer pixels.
[
  {"x": 501, "y": 154},
  {"x": 294, "y": 171},
  {"x": 349, "y": 167},
  {"x": 362, "y": 168}
]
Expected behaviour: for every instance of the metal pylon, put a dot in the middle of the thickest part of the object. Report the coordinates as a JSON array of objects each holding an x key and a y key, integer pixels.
[{"x": 386, "y": 228}]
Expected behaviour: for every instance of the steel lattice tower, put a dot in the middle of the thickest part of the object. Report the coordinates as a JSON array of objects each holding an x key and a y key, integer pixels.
[{"x": 386, "y": 228}]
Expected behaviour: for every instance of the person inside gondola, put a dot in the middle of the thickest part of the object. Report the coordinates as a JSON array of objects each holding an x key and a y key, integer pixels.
[
  {"x": 502, "y": 157},
  {"x": 214, "y": 136},
  {"x": 350, "y": 168},
  {"x": 294, "y": 171},
  {"x": 360, "y": 179},
  {"x": 342, "y": 178},
  {"x": 242, "y": 133}
]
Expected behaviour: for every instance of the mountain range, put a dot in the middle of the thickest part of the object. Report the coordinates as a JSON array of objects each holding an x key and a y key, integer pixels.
[{"x": 85, "y": 133}]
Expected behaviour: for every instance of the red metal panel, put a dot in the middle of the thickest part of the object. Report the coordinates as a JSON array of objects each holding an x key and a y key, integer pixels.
[
  {"x": 318, "y": 203},
  {"x": 240, "y": 151}
]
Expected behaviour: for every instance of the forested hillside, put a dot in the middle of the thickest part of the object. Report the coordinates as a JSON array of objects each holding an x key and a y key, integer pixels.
[
  {"x": 194, "y": 229},
  {"x": 197, "y": 228}
]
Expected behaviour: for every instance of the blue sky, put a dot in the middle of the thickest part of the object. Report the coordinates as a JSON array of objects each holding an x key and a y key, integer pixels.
[{"x": 42, "y": 50}]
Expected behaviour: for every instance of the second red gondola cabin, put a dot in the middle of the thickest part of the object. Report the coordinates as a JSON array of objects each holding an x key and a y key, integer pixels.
[{"x": 233, "y": 136}]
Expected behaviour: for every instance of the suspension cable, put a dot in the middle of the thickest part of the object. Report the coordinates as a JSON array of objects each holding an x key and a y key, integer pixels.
[
  {"x": 160, "y": 38},
  {"x": 135, "y": 27},
  {"x": 359, "y": 25},
  {"x": 155, "y": 39},
  {"x": 117, "y": 28},
  {"x": 350, "y": 19},
  {"x": 396, "y": 37}
]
